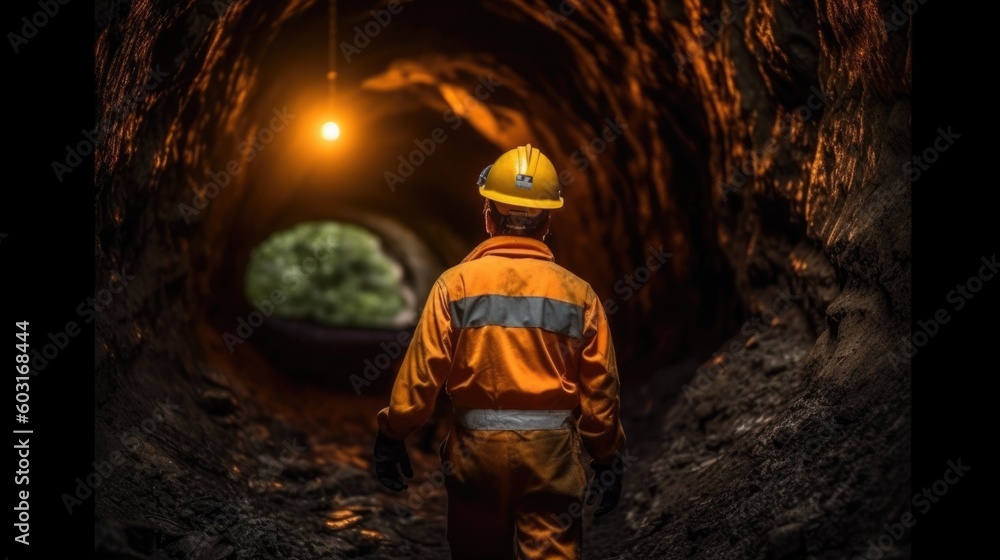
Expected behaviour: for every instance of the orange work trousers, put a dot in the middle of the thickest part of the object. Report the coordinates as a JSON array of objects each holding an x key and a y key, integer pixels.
[{"x": 514, "y": 493}]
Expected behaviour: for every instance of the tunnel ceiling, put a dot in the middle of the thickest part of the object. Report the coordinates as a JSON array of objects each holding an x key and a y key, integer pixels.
[
  {"x": 633, "y": 185},
  {"x": 761, "y": 147}
]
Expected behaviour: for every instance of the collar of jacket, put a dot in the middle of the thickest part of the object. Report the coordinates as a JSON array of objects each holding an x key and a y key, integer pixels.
[{"x": 513, "y": 247}]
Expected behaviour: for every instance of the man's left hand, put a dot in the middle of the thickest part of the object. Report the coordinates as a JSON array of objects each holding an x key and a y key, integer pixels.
[
  {"x": 607, "y": 483},
  {"x": 390, "y": 458}
]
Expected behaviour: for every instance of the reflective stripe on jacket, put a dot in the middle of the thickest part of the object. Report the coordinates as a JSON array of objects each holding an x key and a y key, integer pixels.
[{"x": 508, "y": 328}]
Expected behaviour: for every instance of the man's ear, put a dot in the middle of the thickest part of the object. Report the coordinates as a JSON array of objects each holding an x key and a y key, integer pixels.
[
  {"x": 548, "y": 225},
  {"x": 490, "y": 223}
]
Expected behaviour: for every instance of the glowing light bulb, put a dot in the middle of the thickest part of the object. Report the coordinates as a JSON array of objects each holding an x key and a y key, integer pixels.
[{"x": 331, "y": 131}]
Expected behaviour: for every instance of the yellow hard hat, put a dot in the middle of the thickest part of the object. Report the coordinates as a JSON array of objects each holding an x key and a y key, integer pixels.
[{"x": 522, "y": 177}]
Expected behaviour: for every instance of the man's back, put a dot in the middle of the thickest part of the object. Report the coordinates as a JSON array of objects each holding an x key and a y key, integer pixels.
[
  {"x": 520, "y": 321},
  {"x": 508, "y": 329}
]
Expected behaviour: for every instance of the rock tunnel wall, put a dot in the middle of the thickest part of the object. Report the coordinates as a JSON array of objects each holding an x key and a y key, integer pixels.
[{"x": 763, "y": 147}]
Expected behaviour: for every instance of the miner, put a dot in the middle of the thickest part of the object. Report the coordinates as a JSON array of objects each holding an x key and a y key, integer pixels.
[{"x": 522, "y": 348}]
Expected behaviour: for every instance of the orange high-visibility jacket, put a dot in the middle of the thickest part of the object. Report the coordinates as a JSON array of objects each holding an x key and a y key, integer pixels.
[{"x": 510, "y": 329}]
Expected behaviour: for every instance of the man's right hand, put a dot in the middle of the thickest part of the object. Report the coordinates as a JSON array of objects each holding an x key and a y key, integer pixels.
[
  {"x": 606, "y": 485},
  {"x": 390, "y": 458}
]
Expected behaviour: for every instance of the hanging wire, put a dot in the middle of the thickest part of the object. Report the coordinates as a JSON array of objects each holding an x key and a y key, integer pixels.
[{"x": 331, "y": 70}]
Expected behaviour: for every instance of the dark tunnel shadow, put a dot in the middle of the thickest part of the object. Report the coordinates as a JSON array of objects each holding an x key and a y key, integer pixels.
[{"x": 703, "y": 460}]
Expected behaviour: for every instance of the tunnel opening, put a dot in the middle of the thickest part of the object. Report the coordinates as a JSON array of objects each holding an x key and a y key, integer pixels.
[
  {"x": 327, "y": 292},
  {"x": 746, "y": 430},
  {"x": 330, "y": 274}
]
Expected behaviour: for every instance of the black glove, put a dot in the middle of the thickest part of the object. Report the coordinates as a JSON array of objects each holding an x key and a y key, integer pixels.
[
  {"x": 607, "y": 482},
  {"x": 388, "y": 454}
]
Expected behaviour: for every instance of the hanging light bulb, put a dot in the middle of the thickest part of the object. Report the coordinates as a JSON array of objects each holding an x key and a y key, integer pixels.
[{"x": 331, "y": 130}]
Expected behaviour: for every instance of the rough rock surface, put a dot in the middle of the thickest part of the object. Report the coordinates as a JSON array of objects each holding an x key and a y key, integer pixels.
[{"x": 764, "y": 149}]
